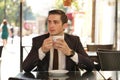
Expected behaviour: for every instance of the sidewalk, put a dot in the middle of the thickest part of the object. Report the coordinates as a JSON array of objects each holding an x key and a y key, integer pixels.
[
  {"x": 10, "y": 58},
  {"x": 10, "y": 61}
]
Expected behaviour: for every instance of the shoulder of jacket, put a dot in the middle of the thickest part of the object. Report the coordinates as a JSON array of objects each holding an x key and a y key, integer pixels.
[
  {"x": 71, "y": 35},
  {"x": 41, "y": 36}
]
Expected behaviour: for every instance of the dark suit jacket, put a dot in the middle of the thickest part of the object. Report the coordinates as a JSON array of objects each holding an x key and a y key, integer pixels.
[{"x": 32, "y": 60}]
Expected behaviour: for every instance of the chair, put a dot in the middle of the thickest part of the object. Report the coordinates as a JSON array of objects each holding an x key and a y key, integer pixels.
[
  {"x": 109, "y": 59},
  {"x": 11, "y": 78},
  {"x": 1, "y": 47},
  {"x": 94, "y": 48}
]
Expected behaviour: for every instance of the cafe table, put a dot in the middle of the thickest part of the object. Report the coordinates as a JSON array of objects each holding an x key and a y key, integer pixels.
[{"x": 72, "y": 75}]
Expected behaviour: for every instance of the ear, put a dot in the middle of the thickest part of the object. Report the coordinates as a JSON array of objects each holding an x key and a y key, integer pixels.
[{"x": 65, "y": 25}]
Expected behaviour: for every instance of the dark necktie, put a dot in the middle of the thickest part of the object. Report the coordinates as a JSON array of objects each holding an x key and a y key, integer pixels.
[{"x": 55, "y": 59}]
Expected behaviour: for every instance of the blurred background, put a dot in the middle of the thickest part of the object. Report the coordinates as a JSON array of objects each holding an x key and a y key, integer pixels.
[{"x": 89, "y": 19}]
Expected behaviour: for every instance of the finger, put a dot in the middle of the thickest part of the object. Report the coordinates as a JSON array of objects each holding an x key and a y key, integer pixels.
[
  {"x": 48, "y": 41},
  {"x": 48, "y": 47},
  {"x": 59, "y": 42},
  {"x": 57, "y": 46}
]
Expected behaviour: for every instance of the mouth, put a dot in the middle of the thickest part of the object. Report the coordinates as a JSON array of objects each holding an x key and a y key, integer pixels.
[{"x": 52, "y": 30}]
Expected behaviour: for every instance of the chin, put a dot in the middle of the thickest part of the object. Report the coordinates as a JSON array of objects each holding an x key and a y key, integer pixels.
[{"x": 52, "y": 34}]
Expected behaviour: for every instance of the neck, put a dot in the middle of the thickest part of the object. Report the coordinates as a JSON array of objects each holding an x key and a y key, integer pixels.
[{"x": 58, "y": 34}]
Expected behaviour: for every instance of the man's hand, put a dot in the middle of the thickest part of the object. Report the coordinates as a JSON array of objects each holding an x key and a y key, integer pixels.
[
  {"x": 61, "y": 45},
  {"x": 47, "y": 45}
]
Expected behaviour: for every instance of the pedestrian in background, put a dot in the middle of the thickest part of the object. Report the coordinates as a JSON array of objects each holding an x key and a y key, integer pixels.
[
  {"x": 12, "y": 33},
  {"x": 5, "y": 31}
]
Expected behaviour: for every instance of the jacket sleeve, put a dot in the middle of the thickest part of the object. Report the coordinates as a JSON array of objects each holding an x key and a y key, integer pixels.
[
  {"x": 84, "y": 62},
  {"x": 32, "y": 58}
]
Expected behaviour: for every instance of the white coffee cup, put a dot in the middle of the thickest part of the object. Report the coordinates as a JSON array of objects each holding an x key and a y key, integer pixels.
[{"x": 57, "y": 37}]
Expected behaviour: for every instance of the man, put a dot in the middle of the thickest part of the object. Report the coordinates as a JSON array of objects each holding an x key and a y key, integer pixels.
[{"x": 70, "y": 50}]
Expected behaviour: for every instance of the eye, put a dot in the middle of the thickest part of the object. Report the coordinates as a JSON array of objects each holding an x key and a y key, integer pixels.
[
  {"x": 48, "y": 22},
  {"x": 56, "y": 22}
]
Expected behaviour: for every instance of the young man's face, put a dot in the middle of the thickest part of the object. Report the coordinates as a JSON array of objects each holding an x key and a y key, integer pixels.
[{"x": 55, "y": 26}]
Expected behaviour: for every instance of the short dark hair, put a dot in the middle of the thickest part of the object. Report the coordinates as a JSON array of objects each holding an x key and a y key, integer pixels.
[
  {"x": 64, "y": 17},
  {"x": 4, "y": 22}
]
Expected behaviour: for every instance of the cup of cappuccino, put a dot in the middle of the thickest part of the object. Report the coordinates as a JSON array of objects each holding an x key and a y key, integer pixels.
[{"x": 56, "y": 37}]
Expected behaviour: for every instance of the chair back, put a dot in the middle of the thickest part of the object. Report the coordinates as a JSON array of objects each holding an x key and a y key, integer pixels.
[
  {"x": 95, "y": 47},
  {"x": 1, "y": 47},
  {"x": 109, "y": 60}
]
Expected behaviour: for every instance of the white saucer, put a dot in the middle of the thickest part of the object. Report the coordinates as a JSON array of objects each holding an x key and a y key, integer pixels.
[{"x": 58, "y": 72}]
